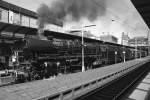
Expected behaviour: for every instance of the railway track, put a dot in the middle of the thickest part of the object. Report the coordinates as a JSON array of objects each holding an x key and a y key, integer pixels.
[{"x": 118, "y": 88}]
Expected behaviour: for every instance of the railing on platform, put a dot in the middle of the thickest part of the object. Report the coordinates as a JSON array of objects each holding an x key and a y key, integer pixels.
[{"x": 80, "y": 90}]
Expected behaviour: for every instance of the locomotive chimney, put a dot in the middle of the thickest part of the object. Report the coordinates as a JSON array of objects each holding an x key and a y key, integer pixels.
[{"x": 40, "y": 32}]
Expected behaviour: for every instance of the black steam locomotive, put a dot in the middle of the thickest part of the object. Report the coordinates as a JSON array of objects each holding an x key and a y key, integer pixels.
[{"x": 63, "y": 54}]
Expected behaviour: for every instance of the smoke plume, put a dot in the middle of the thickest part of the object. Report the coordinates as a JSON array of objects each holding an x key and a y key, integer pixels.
[{"x": 58, "y": 11}]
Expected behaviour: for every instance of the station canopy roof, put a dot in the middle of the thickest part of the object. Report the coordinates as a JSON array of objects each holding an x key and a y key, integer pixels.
[
  {"x": 23, "y": 11},
  {"x": 143, "y": 7},
  {"x": 9, "y": 6},
  {"x": 6, "y": 27}
]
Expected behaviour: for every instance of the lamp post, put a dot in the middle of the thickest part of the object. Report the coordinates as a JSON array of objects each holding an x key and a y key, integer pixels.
[
  {"x": 124, "y": 56},
  {"x": 140, "y": 52},
  {"x": 115, "y": 57},
  {"x": 83, "y": 68},
  {"x": 82, "y": 31},
  {"x": 148, "y": 37},
  {"x": 136, "y": 51}
]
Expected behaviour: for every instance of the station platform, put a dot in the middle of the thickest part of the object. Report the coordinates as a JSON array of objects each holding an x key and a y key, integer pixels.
[
  {"x": 69, "y": 86},
  {"x": 142, "y": 90}
]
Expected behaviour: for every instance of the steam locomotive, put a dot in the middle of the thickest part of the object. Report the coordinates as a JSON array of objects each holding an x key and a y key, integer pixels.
[{"x": 63, "y": 54}]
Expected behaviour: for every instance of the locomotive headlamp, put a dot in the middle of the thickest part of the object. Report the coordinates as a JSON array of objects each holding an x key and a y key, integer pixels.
[
  {"x": 115, "y": 52},
  {"x": 124, "y": 57}
]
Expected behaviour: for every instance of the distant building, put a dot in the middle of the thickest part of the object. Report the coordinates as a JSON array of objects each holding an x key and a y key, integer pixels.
[
  {"x": 138, "y": 41},
  {"x": 109, "y": 38},
  {"x": 125, "y": 39}
]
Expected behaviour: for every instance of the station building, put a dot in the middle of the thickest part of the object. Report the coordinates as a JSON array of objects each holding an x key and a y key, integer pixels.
[
  {"x": 138, "y": 41},
  {"x": 125, "y": 39},
  {"x": 109, "y": 38}
]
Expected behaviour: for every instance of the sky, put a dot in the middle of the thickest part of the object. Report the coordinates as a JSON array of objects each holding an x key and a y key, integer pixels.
[{"x": 120, "y": 16}]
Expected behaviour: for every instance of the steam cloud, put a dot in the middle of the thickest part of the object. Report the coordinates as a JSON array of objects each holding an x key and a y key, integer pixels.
[{"x": 76, "y": 9}]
